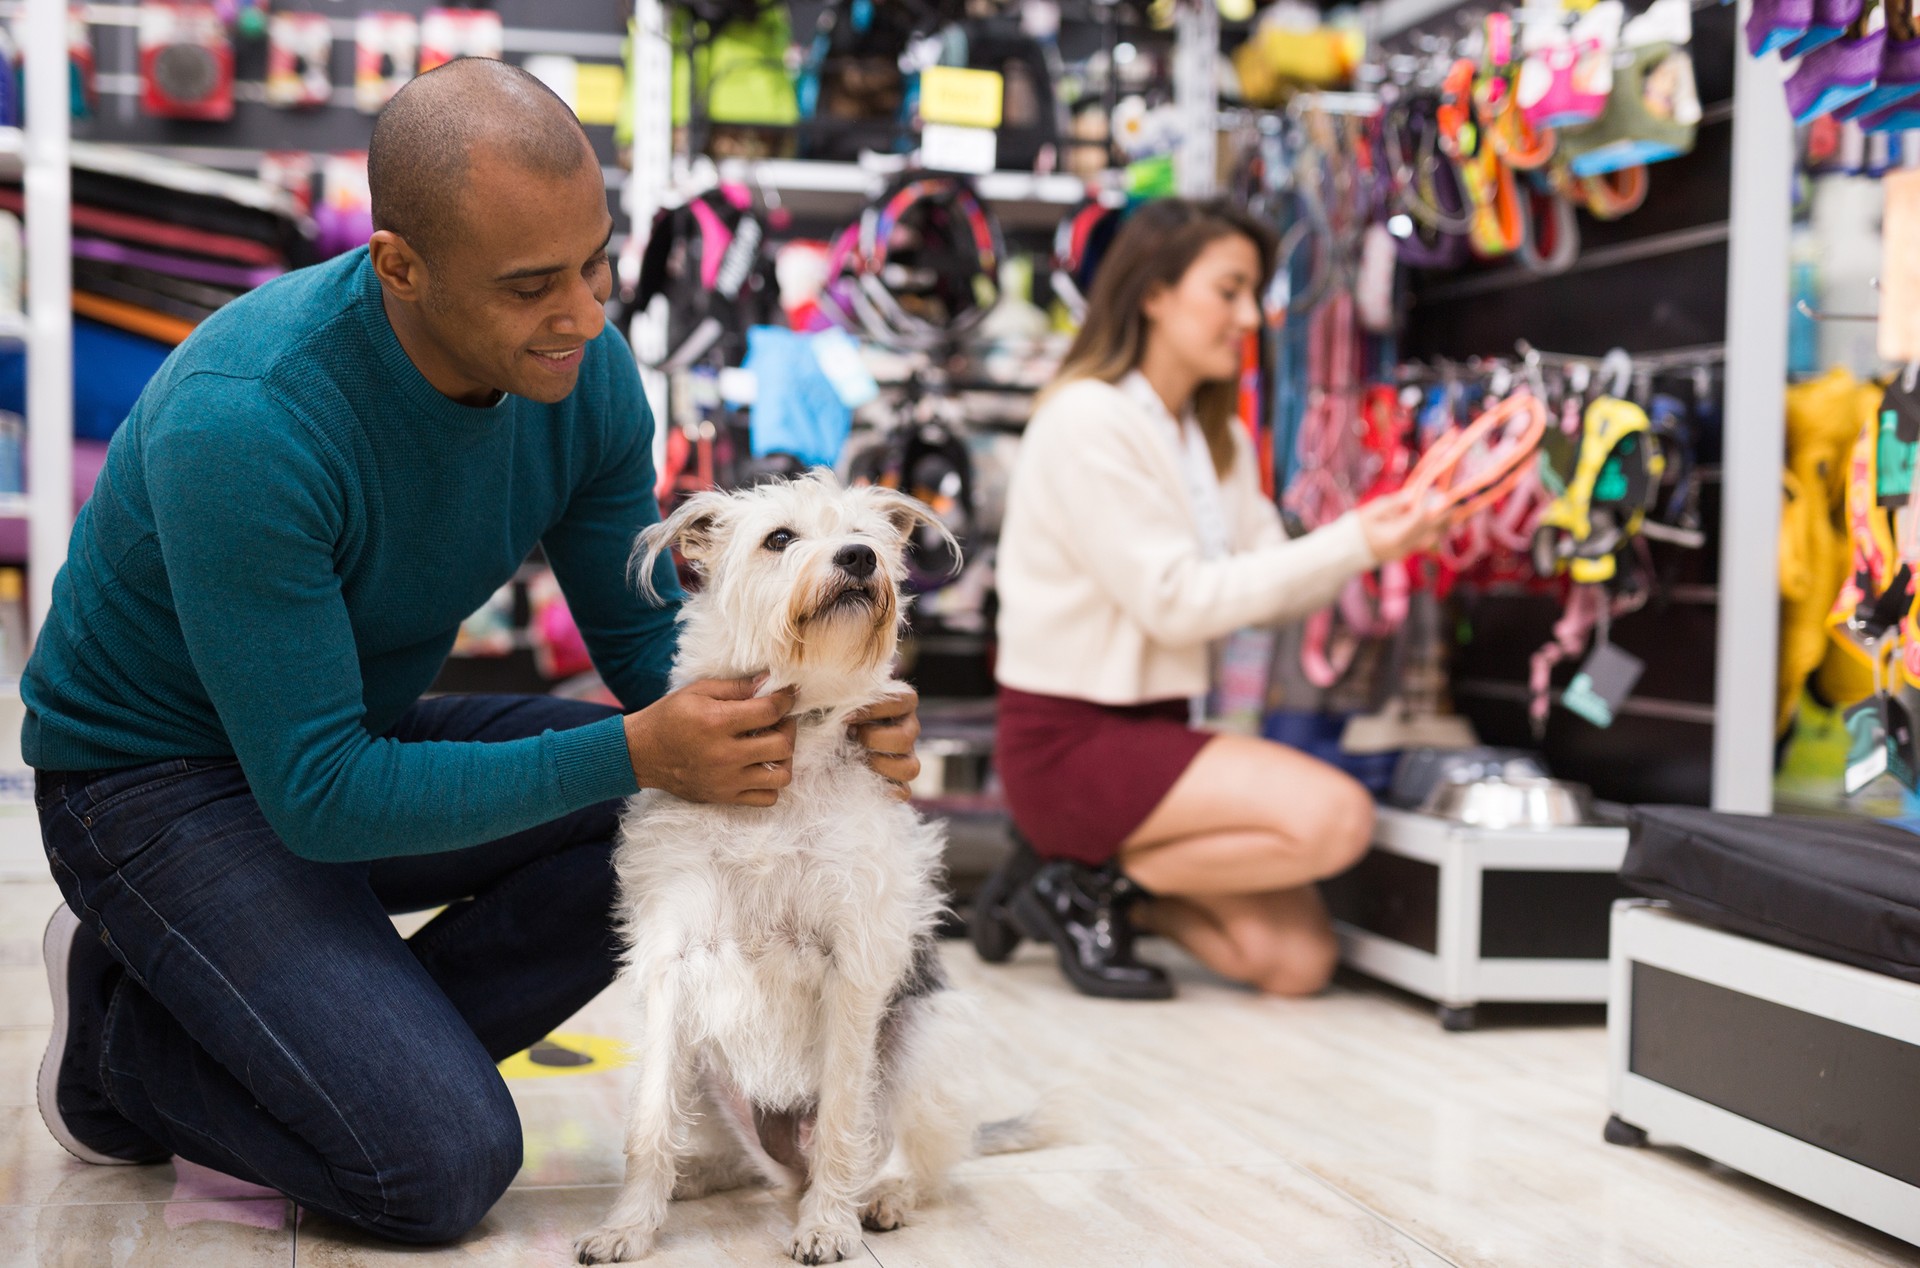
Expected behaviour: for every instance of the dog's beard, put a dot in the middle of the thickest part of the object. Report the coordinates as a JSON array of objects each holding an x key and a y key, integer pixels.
[{"x": 847, "y": 627}]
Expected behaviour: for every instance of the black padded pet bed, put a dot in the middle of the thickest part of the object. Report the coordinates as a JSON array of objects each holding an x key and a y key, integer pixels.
[{"x": 1845, "y": 889}]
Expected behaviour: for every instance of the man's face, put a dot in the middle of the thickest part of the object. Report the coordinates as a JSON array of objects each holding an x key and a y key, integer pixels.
[{"x": 518, "y": 291}]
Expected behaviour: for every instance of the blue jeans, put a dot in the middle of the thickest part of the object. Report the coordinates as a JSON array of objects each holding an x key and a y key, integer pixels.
[{"x": 271, "y": 1022}]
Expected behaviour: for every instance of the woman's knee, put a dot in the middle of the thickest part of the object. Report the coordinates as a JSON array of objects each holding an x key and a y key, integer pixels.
[
  {"x": 1344, "y": 825},
  {"x": 1296, "y": 963}
]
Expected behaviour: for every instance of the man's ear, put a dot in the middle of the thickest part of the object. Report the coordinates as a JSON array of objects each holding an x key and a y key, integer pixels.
[
  {"x": 397, "y": 265},
  {"x": 693, "y": 527}
]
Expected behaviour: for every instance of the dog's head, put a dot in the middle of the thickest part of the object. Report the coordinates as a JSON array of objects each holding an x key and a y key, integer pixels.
[{"x": 801, "y": 580}]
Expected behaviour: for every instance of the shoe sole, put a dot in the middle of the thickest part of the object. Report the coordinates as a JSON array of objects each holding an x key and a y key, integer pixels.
[
  {"x": 1031, "y": 918},
  {"x": 56, "y": 947}
]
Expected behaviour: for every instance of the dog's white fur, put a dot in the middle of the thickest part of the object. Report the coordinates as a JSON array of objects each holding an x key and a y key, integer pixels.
[{"x": 795, "y": 1028}]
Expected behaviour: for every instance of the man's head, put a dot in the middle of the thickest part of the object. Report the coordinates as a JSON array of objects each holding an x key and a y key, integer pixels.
[{"x": 490, "y": 231}]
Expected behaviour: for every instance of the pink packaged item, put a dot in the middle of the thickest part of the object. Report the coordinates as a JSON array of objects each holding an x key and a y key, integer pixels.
[{"x": 1565, "y": 85}]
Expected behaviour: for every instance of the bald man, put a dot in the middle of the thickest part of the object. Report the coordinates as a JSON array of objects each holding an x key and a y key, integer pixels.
[{"x": 237, "y": 778}]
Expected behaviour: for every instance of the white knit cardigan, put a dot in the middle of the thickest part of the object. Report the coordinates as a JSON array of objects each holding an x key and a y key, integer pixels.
[{"x": 1104, "y": 592}]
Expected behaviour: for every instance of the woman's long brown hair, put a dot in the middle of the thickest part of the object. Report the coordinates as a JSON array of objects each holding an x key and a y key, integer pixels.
[{"x": 1154, "y": 248}]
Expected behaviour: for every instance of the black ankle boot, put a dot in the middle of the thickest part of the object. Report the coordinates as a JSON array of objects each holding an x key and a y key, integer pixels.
[
  {"x": 1083, "y": 912},
  {"x": 990, "y": 926}
]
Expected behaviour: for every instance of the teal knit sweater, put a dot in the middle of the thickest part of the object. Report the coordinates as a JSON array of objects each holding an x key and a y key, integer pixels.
[{"x": 289, "y": 529}]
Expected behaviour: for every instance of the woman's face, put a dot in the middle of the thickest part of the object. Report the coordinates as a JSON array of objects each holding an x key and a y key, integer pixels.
[{"x": 1204, "y": 318}]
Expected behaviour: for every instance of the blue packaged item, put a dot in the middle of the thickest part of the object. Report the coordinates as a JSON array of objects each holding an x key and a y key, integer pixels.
[
  {"x": 796, "y": 408},
  {"x": 110, "y": 370}
]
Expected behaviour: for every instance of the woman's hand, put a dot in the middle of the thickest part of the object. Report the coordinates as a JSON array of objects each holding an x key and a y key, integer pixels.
[{"x": 1403, "y": 523}]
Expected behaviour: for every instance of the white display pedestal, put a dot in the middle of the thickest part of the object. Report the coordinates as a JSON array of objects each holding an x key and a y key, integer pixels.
[
  {"x": 1468, "y": 915},
  {"x": 1798, "y": 1071}
]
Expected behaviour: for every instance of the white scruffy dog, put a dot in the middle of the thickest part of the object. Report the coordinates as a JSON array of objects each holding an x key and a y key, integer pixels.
[{"x": 796, "y": 1028}]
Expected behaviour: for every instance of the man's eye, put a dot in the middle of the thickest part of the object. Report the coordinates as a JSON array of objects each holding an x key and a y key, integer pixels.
[
  {"x": 533, "y": 294},
  {"x": 778, "y": 540}
]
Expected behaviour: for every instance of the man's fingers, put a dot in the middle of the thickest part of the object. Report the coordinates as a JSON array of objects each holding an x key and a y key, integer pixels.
[
  {"x": 877, "y": 738},
  {"x": 902, "y": 770},
  {"x": 725, "y": 688},
  {"x": 904, "y": 701},
  {"x": 760, "y": 714},
  {"x": 756, "y": 750}
]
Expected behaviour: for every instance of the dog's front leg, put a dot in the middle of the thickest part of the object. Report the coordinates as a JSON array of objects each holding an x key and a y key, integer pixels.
[
  {"x": 656, "y": 1123},
  {"x": 846, "y": 1147}
]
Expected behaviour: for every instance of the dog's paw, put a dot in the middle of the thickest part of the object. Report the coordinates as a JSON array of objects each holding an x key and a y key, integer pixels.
[
  {"x": 888, "y": 1207},
  {"x": 824, "y": 1243},
  {"x": 613, "y": 1245}
]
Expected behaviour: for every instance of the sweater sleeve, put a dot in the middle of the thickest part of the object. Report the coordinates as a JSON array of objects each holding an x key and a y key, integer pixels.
[
  {"x": 1128, "y": 531},
  {"x": 267, "y": 631},
  {"x": 630, "y": 640}
]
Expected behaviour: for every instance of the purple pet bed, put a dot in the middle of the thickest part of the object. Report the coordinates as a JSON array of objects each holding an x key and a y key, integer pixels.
[{"x": 177, "y": 265}]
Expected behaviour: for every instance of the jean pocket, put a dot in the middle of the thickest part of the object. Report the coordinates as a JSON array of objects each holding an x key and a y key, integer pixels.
[{"x": 138, "y": 791}]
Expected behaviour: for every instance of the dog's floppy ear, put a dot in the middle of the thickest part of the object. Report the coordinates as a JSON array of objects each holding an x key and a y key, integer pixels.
[
  {"x": 908, "y": 514},
  {"x": 691, "y": 527}
]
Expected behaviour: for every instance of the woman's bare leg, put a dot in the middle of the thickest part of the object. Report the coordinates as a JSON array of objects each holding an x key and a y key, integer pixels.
[
  {"x": 1281, "y": 943},
  {"x": 1246, "y": 817},
  {"x": 1232, "y": 851}
]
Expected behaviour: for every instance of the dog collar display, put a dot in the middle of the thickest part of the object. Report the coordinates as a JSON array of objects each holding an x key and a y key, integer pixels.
[
  {"x": 706, "y": 258},
  {"x": 1477, "y": 465},
  {"x": 1618, "y": 467}
]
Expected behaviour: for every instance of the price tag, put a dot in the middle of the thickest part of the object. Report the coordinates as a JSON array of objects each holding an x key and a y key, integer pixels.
[
  {"x": 1896, "y": 726},
  {"x": 1866, "y": 746},
  {"x": 599, "y": 92},
  {"x": 1603, "y": 684},
  {"x": 946, "y": 148},
  {"x": 962, "y": 97}
]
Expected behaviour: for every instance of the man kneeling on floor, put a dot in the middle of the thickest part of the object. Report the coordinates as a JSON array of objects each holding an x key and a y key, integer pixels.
[{"x": 237, "y": 777}]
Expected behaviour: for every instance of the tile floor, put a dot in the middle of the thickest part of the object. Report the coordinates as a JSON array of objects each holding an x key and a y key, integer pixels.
[{"x": 1219, "y": 1129}]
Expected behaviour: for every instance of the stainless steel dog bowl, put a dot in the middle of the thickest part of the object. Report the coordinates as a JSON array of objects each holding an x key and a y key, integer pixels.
[{"x": 1513, "y": 800}]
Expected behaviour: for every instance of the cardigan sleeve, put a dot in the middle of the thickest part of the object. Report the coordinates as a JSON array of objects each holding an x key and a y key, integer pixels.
[{"x": 1129, "y": 530}]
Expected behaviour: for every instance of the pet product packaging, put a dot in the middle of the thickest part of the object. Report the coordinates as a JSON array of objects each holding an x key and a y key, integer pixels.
[
  {"x": 387, "y": 47},
  {"x": 299, "y": 46},
  {"x": 449, "y": 34},
  {"x": 186, "y": 62}
]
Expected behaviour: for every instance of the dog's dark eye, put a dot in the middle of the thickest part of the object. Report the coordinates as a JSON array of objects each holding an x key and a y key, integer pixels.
[{"x": 778, "y": 540}]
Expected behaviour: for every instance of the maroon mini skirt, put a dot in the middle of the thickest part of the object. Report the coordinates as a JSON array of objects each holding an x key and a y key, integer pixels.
[{"x": 1080, "y": 777}]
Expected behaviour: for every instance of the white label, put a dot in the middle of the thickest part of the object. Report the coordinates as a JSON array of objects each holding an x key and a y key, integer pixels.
[
  {"x": 738, "y": 385},
  {"x": 945, "y": 148}
]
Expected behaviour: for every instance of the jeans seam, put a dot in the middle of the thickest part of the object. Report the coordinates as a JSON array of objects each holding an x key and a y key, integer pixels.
[
  {"x": 151, "y": 785},
  {"x": 266, "y": 1030}
]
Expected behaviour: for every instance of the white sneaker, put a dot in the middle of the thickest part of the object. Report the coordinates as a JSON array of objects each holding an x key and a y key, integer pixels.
[{"x": 56, "y": 945}]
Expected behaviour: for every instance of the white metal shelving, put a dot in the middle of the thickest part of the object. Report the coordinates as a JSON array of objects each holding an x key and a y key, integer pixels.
[{"x": 49, "y": 317}]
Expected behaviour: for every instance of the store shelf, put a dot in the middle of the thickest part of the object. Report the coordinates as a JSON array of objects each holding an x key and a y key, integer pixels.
[
  {"x": 13, "y": 506},
  {"x": 806, "y": 188}
]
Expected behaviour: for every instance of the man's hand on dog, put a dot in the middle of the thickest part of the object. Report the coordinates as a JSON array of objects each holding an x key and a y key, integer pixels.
[
  {"x": 889, "y": 731},
  {"x": 715, "y": 742},
  {"x": 718, "y": 742}
]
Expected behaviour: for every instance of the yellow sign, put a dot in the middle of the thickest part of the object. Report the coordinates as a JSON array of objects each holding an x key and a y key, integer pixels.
[
  {"x": 956, "y": 95},
  {"x": 597, "y": 91}
]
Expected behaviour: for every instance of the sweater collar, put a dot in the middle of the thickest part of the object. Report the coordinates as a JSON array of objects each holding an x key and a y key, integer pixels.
[{"x": 423, "y": 396}]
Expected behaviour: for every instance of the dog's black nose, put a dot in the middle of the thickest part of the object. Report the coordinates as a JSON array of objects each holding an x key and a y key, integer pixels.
[{"x": 856, "y": 561}]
